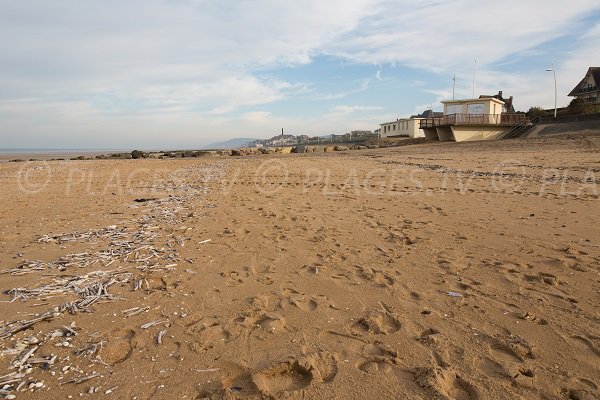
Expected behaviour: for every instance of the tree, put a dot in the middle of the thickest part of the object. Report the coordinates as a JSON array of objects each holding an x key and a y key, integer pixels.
[
  {"x": 578, "y": 106},
  {"x": 534, "y": 112}
]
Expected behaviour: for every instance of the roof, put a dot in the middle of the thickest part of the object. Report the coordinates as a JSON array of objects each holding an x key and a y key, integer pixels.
[
  {"x": 427, "y": 114},
  {"x": 392, "y": 122},
  {"x": 462, "y": 101},
  {"x": 595, "y": 72},
  {"x": 424, "y": 114},
  {"x": 508, "y": 103}
]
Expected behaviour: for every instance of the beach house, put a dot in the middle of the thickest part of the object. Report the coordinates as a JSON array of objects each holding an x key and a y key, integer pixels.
[
  {"x": 588, "y": 89},
  {"x": 407, "y": 127},
  {"x": 482, "y": 118},
  {"x": 389, "y": 129}
]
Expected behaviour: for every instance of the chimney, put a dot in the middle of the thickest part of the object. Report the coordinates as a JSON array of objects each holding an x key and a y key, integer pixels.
[{"x": 500, "y": 93}]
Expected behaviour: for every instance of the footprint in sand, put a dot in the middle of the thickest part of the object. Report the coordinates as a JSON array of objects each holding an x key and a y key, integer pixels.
[
  {"x": 235, "y": 380},
  {"x": 214, "y": 336},
  {"x": 261, "y": 272},
  {"x": 300, "y": 301},
  {"x": 381, "y": 278},
  {"x": 323, "y": 364},
  {"x": 209, "y": 334},
  {"x": 281, "y": 379},
  {"x": 512, "y": 347},
  {"x": 379, "y": 322},
  {"x": 260, "y": 302},
  {"x": 429, "y": 337},
  {"x": 169, "y": 354},
  {"x": 582, "y": 388},
  {"x": 524, "y": 377},
  {"x": 232, "y": 278},
  {"x": 267, "y": 322},
  {"x": 120, "y": 348},
  {"x": 445, "y": 384},
  {"x": 415, "y": 295},
  {"x": 546, "y": 278},
  {"x": 291, "y": 297},
  {"x": 591, "y": 342},
  {"x": 378, "y": 358},
  {"x": 493, "y": 369}
]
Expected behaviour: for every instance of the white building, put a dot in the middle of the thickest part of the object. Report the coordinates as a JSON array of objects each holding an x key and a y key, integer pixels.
[
  {"x": 406, "y": 127},
  {"x": 472, "y": 119}
]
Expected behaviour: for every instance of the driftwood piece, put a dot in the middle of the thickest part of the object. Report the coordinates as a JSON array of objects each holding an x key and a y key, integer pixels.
[{"x": 81, "y": 379}]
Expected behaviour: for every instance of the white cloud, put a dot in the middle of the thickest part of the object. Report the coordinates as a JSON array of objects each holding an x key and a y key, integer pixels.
[
  {"x": 536, "y": 87},
  {"x": 255, "y": 116},
  {"x": 444, "y": 34},
  {"x": 83, "y": 71},
  {"x": 347, "y": 110}
]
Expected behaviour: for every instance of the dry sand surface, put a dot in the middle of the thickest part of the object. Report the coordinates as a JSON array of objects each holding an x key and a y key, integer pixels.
[{"x": 436, "y": 271}]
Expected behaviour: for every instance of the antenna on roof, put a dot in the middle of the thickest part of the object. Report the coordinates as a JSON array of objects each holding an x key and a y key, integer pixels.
[
  {"x": 453, "y": 85},
  {"x": 474, "y": 66}
]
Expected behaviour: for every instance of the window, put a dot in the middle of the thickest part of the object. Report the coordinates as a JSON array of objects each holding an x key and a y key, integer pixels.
[{"x": 475, "y": 108}]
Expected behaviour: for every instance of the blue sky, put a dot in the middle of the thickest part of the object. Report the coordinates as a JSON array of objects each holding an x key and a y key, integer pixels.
[{"x": 183, "y": 73}]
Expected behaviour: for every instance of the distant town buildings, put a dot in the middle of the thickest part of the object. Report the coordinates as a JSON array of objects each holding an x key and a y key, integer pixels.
[
  {"x": 293, "y": 140},
  {"x": 275, "y": 141},
  {"x": 303, "y": 138},
  {"x": 588, "y": 89}
]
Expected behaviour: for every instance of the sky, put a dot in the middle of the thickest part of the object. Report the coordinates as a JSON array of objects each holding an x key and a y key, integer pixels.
[{"x": 156, "y": 74}]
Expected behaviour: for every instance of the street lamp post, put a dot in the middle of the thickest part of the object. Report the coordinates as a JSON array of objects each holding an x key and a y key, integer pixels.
[{"x": 553, "y": 69}]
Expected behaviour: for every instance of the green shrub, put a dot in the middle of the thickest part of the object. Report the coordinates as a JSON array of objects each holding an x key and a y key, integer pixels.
[
  {"x": 534, "y": 112},
  {"x": 578, "y": 106}
]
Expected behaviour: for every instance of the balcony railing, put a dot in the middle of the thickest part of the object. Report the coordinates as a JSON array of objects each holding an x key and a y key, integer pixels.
[
  {"x": 473, "y": 119},
  {"x": 586, "y": 90}
]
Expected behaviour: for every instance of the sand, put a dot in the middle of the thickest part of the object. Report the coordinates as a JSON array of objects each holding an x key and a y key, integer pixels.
[{"x": 446, "y": 271}]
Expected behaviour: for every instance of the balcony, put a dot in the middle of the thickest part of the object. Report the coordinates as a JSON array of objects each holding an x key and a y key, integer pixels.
[
  {"x": 585, "y": 90},
  {"x": 473, "y": 119}
]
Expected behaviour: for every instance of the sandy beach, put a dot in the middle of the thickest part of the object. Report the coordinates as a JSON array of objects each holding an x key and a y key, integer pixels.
[{"x": 434, "y": 271}]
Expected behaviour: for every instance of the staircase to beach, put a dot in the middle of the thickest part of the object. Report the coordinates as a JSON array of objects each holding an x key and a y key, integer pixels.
[{"x": 520, "y": 129}]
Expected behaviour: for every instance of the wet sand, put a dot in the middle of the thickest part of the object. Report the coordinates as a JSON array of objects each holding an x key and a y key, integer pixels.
[{"x": 448, "y": 271}]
